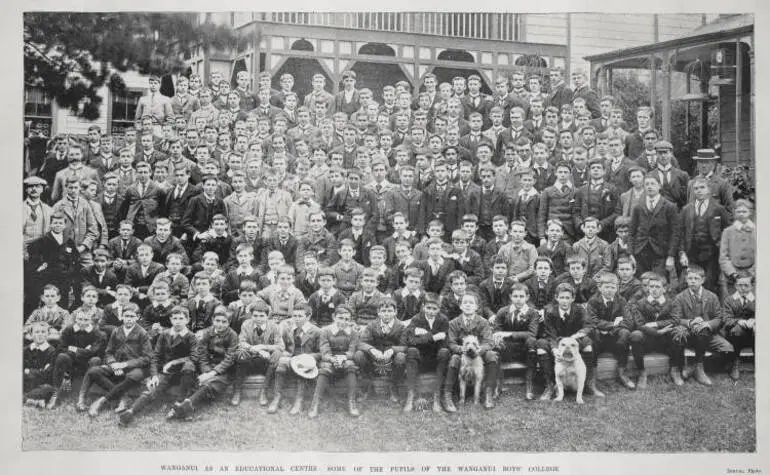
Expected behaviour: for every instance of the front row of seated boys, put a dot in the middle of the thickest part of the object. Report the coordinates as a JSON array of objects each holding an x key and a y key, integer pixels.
[{"x": 194, "y": 345}]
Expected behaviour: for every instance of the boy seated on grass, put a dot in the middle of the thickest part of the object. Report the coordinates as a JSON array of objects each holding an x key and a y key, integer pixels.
[
  {"x": 216, "y": 357},
  {"x": 630, "y": 288},
  {"x": 739, "y": 318},
  {"x": 282, "y": 296},
  {"x": 380, "y": 351},
  {"x": 583, "y": 287},
  {"x": 50, "y": 313},
  {"x": 81, "y": 347},
  {"x": 515, "y": 332},
  {"x": 156, "y": 318},
  {"x": 425, "y": 339},
  {"x": 126, "y": 364},
  {"x": 201, "y": 306},
  {"x": 324, "y": 301},
  {"x": 606, "y": 309},
  {"x": 565, "y": 318},
  {"x": 554, "y": 246},
  {"x": 173, "y": 361},
  {"x": 39, "y": 358},
  {"x": 650, "y": 323},
  {"x": 592, "y": 248},
  {"x": 237, "y": 275},
  {"x": 338, "y": 343},
  {"x": 365, "y": 302},
  {"x": 347, "y": 270},
  {"x": 179, "y": 285},
  {"x": 699, "y": 315},
  {"x": 387, "y": 276},
  {"x": 260, "y": 345}
]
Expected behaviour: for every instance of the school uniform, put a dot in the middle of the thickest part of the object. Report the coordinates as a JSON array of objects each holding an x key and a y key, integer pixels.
[
  {"x": 101, "y": 282},
  {"x": 142, "y": 207},
  {"x": 520, "y": 259},
  {"x": 197, "y": 218},
  {"x": 617, "y": 173},
  {"x": 584, "y": 290},
  {"x": 407, "y": 202},
  {"x": 339, "y": 208},
  {"x": 673, "y": 184},
  {"x": 688, "y": 306},
  {"x": 90, "y": 343},
  {"x": 365, "y": 307},
  {"x": 103, "y": 165},
  {"x": 701, "y": 234},
  {"x": 80, "y": 221},
  {"x": 161, "y": 250},
  {"x": 558, "y": 254},
  {"x": 721, "y": 191},
  {"x": 545, "y": 176},
  {"x": 558, "y": 202},
  {"x": 131, "y": 348},
  {"x": 423, "y": 352},
  {"x": 607, "y": 336},
  {"x": 494, "y": 294},
  {"x": 282, "y": 301},
  {"x": 525, "y": 207},
  {"x": 560, "y": 94},
  {"x": 434, "y": 279},
  {"x": 179, "y": 285},
  {"x": 630, "y": 199},
  {"x": 645, "y": 339},
  {"x": 599, "y": 201},
  {"x": 250, "y": 362},
  {"x": 595, "y": 253},
  {"x": 559, "y": 324},
  {"x": 216, "y": 352},
  {"x": 737, "y": 249},
  {"x": 739, "y": 308},
  {"x": 461, "y": 327},
  {"x": 323, "y": 243},
  {"x": 81, "y": 173},
  {"x": 471, "y": 263},
  {"x": 443, "y": 203},
  {"x": 39, "y": 360},
  {"x": 61, "y": 260},
  {"x": 289, "y": 248},
  {"x": 522, "y": 345},
  {"x": 270, "y": 206},
  {"x": 141, "y": 278},
  {"x": 654, "y": 234},
  {"x": 220, "y": 245},
  {"x": 201, "y": 311},
  {"x": 376, "y": 335}
]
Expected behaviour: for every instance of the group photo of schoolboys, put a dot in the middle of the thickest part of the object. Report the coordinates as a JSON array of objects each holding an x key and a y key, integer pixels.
[{"x": 327, "y": 241}]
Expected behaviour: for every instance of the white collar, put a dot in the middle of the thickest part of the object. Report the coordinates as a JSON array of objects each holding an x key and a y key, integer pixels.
[
  {"x": 43, "y": 347},
  {"x": 523, "y": 310},
  {"x": 748, "y": 226},
  {"x": 158, "y": 304},
  {"x": 126, "y": 331},
  {"x": 184, "y": 332},
  {"x": 207, "y": 298},
  {"x": 661, "y": 300},
  {"x": 87, "y": 329},
  {"x": 749, "y": 297},
  {"x": 406, "y": 293},
  {"x": 528, "y": 194}
]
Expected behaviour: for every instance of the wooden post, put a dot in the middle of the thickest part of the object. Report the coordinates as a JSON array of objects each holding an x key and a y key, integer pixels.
[
  {"x": 653, "y": 84},
  {"x": 738, "y": 99},
  {"x": 666, "y": 113},
  {"x": 568, "y": 65}
]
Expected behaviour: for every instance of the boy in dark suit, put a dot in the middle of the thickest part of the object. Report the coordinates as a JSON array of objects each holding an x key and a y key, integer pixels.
[
  {"x": 201, "y": 307},
  {"x": 141, "y": 274},
  {"x": 425, "y": 339},
  {"x": 174, "y": 360},
  {"x": 435, "y": 269},
  {"x": 564, "y": 318},
  {"x": 286, "y": 243},
  {"x": 540, "y": 287},
  {"x": 123, "y": 248},
  {"x": 606, "y": 310},
  {"x": 526, "y": 204},
  {"x": 702, "y": 223},
  {"x": 142, "y": 202},
  {"x": 492, "y": 247},
  {"x": 654, "y": 231},
  {"x": 673, "y": 180},
  {"x": 53, "y": 260},
  {"x": 39, "y": 357},
  {"x": 515, "y": 332},
  {"x": 470, "y": 323},
  {"x": 201, "y": 210},
  {"x": 739, "y": 319},
  {"x": 495, "y": 291},
  {"x": 127, "y": 359},
  {"x": 216, "y": 356}
]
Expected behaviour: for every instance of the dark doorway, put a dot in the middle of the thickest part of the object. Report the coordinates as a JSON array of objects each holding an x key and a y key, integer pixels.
[
  {"x": 303, "y": 70},
  {"x": 375, "y": 76},
  {"x": 447, "y": 74}
]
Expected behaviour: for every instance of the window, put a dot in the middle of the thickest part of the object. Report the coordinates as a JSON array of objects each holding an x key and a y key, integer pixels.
[
  {"x": 38, "y": 110},
  {"x": 123, "y": 110}
]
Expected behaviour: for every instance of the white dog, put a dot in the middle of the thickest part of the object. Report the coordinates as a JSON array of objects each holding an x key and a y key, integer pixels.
[
  {"x": 471, "y": 368},
  {"x": 569, "y": 369}
]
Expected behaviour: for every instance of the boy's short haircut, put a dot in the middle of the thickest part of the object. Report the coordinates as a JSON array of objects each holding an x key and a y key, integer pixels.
[
  {"x": 162, "y": 222},
  {"x": 518, "y": 286},
  {"x": 274, "y": 255},
  {"x": 413, "y": 272},
  {"x": 455, "y": 275},
  {"x": 565, "y": 287},
  {"x": 545, "y": 259},
  {"x": 248, "y": 286},
  {"x": 201, "y": 275},
  {"x": 518, "y": 222},
  {"x": 696, "y": 269},
  {"x": 431, "y": 298},
  {"x": 743, "y": 274},
  {"x": 211, "y": 255},
  {"x": 88, "y": 288},
  {"x": 459, "y": 234},
  {"x": 125, "y": 222},
  {"x": 243, "y": 247},
  {"x": 221, "y": 310},
  {"x": 343, "y": 309},
  {"x": 650, "y": 276},
  {"x": 386, "y": 302},
  {"x": 260, "y": 307},
  {"x": 554, "y": 222},
  {"x": 436, "y": 224},
  {"x": 144, "y": 246},
  {"x": 622, "y": 222},
  {"x": 285, "y": 269},
  {"x": 283, "y": 220},
  {"x": 102, "y": 252},
  {"x": 405, "y": 243},
  {"x": 317, "y": 213},
  {"x": 608, "y": 278},
  {"x": 627, "y": 260},
  {"x": 592, "y": 219},
  {"x": 575, "y": 259},
  {"x": 743, "y": 203},
  {"x": 328, "y": 272},
  {"x": 470, "y": 218},
  {"x": 399, "y": 214},
  {"x": 562, "y": 164},
  {"x": 499, "y": 261},
  {"x": 131, "y": 308},
  {"x": 377, "y": 248},
  {"x": 177, "y": 309},
  {"x": 369, "y": 273},
  {"x": 347, "y": 243}
]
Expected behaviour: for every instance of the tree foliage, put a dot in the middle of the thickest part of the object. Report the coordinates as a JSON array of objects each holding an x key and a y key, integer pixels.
[{"x": 72, "y": 55}]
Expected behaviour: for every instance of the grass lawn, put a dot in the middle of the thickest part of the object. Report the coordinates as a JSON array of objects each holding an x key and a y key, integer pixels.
[{"x": 661, "y": 418}]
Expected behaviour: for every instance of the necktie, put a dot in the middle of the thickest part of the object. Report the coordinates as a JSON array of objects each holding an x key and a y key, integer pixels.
[
  {"x": 259, "y": 331},
  {"x": 650, "y": 205},
  {"x": 516, "y": 314},
  {"x": 411, "y": 305},
  {"x": 379, "y": 188},
  {"x": 178, "y": 192},
  {"x": 140, "y": 189},
  {"x": 33, "y": 213},
  {"x": 700, "y": 207},
  {"x": 125, "y": 247},
  {"x": 201, "y": 308}
]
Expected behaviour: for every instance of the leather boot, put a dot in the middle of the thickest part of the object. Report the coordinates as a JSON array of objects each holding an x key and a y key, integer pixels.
[
  {"x": 297, "y": 407},
  {"x": 687, "y": 371},
  {"x": 320, "y": 387},
  {"x": 449, "y": 383},
  {"x": 277, "y": 390},
  {"x": 700, "y": 375},
  {"x": 489, "y": 401},
  {"x": 54, "y": 400},
  {"x": 735, "y": 369},
  {"x": 93, "y": 411},
  {"x": 393, "y": 390},
  {"x": 126, "y": 417},
  {"x": 623, "y": 377},
  {"x": 123, "y": 404},
  {"x": 676, "y": 376},
  {"x": 352, "y": 407},
  {"x": 547, "y": 367},
  {"x": 641, "y": 383},
  {"x": 528, "y": 377},
  {"x": 81, "y": 405},
  {"x": 437, "y": 402},
  {"x": 236, "y": 398},
  {"x": 591, "y": 388},
  {"x": 263, "y": 399},
  {"x": 409, "y": 405}
]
